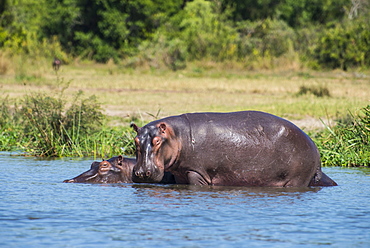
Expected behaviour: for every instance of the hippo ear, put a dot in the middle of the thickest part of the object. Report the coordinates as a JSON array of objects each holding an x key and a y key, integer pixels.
[
  {"x": 136, "y": 128},
  {"x": 120, "y": 159},
  {"x": 165, "y": 130},
  {"x": 162, "y": 128}
]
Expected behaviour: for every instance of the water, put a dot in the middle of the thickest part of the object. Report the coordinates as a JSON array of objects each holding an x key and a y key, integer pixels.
[{"x": 38, "y": 210}]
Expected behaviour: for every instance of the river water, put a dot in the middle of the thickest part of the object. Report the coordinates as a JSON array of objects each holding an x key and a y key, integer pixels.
[{"x": 38, "y": 210}]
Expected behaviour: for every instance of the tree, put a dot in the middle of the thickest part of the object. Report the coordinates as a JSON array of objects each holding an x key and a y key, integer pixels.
[
  {"x": 299, "y": 13},
  {"x": 251, "y": 10},
  {"x": 20, "y": 24},
  {"x": 104, "y": 29}
]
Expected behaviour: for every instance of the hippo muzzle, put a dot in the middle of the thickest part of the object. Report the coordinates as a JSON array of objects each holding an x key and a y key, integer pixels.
[
  {"x": 86, "y": 176},
  {"x": 147, "y": 174},
  {"x": 102, "y": 172}
]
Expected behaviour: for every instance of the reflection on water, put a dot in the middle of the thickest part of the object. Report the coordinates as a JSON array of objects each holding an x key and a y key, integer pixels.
[
  {"x": 219, "y": 192},
  {"x": 38, "y": 210}
]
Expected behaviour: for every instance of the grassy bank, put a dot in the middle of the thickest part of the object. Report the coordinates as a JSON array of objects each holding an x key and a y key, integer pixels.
[
  {"x": 201, "y": 87},
  {"x": 313, "y": 100}
]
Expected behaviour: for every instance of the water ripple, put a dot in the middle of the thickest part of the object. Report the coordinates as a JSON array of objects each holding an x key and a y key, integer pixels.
[{"x": 38, "y": 210}]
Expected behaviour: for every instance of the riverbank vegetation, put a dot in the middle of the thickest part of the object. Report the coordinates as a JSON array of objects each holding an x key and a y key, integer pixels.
[
  {"x": 60, "y": 121},
  {"x": 48, "y": 126},
  {"x": 125, "y": 61},
  {"x": 45, "y": 126},
  {"x": 317, "y": 34},
  {"x": 348, "y": 142}
]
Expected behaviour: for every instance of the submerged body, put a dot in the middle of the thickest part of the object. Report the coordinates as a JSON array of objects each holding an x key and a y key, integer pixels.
[
  {"x": 114, "y": 170},
  {"x": 246, "y": 148}
]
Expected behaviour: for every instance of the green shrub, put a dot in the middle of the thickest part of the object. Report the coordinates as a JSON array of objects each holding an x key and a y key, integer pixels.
[
  {"x": 348, "y": 142},
  {"x": 48, "y": 126},
  {"x": 175, "y": 55},
  {"x": 161, "y": 51},
  {"x": 52, "y": 129},
  {"x": 261, "y": 41},
  {"x": 206, "y": 32},
  {"x": 319, "y": 91},
  {"x": 200, "y": 32},
  {"x": 85, "y": 114},
  {"x": 345, "y": 45}
]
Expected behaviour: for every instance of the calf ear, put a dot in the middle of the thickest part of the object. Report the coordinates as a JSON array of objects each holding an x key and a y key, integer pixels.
[{"x": 136, "y": 128}]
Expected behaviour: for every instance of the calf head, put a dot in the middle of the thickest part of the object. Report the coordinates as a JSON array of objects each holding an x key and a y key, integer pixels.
[{"x": 114, "y": 170}]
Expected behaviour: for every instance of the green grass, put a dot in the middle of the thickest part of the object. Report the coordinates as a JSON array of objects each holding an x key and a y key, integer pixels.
[
  {"x": 348, "y": 142},
  {"x": 48, "y": 126},
  {"x": 125, "y": 95}
]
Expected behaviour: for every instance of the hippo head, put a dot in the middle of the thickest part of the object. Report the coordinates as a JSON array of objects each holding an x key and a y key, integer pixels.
[
  {"x": 156, "y": 150},
  {"x": 108, "y": 171}
]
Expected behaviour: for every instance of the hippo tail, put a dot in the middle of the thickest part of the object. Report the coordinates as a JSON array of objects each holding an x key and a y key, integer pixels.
[{"x": 321, "y": 179}]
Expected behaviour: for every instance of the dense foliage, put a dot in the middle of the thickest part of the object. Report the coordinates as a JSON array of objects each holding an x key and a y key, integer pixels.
[
  {"x": 324, "y": 33},
  {"x": 348, "y": 142}
]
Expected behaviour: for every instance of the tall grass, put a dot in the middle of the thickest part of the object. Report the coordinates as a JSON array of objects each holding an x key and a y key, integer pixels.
[
  {"x": 48, "y": 126},
  {"x": 348, "y": 142},
  {"x": 10, "y": 130}
]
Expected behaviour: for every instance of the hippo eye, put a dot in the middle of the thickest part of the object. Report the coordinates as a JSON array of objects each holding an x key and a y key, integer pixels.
[
  {"x": 156, "y": 141},
  {"x": 137, "y": 143}
]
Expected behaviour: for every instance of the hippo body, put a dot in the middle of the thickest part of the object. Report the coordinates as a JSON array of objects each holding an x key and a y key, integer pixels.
[
  {"x": 114, "y": 170},
  {"x": 56, "y": 64},
  {"x": 248, "y": 148}
]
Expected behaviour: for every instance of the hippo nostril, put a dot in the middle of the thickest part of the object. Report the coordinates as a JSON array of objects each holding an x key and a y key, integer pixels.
[
  {"x": 138, "y": 174},
  {"x": 148, "y": 173},
  {"x": 69, "y": 181}
]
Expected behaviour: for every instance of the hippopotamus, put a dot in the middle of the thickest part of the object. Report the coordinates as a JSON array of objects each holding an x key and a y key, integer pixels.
[
  {"x": 56, "y": 64},
  {"x": 114, "y": 170},
  {"x": 247, "y": 148}
]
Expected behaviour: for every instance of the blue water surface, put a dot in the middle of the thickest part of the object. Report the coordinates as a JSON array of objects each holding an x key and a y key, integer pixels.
[{"x": 38, "y": 210}]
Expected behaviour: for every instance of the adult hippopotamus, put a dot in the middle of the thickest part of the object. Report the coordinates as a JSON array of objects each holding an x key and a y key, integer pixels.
[
  {"x": 248, "y": 148},
  {"x": 114, "y": 170}
]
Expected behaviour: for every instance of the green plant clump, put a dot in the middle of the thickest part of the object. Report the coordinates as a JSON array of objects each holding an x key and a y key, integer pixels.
[
  {"x": 348, "y": 142},
  {"x": 45, "y": 126},
  {"x": 319, "y": 91}
]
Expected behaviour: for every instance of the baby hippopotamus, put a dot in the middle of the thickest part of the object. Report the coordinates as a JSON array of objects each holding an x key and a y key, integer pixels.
[{"x": 114, "y": 170}]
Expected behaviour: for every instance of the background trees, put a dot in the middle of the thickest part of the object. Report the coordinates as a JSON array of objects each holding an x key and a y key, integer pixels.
[{"x": 323, "y": 33}]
